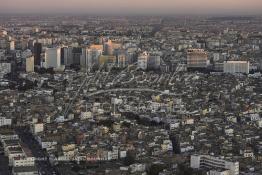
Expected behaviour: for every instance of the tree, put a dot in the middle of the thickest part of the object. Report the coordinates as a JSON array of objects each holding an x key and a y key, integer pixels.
[{"x": 155, "y": 169}]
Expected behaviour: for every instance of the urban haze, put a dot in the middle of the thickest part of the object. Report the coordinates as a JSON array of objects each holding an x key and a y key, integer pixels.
[{"x": 127, "y": 87}]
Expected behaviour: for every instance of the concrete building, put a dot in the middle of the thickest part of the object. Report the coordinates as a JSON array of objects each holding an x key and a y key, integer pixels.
[
  {"x": 108, "y": 60},
  {"x": 12, "y": 45},
  {"x": 143, "y": 60},
  {"x": 37, "y": 53},
  {"x": 154, "y": 61},
  {"x": 90, "y": 56},
  {"x": 196, "y": 58},
  {"x": 207, "y": 161},
  {"x": 76, "y": 55},
  {"x": 5, "y": 68},
  {"x": 53, "y": 58},
  {"x": 5, "y": 121},
  {"x": 108, "y": 48},
  {"x": 122, "y": 60},
  {"x": 37, "y": 127},
  {"x": 30, "y": 64},
  {"x": 25, "y": 170},
  {"x": 67, "y": 55},
  {"x": 236, "y": 67}
]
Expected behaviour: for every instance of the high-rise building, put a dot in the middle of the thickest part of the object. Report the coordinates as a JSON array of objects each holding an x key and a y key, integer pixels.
[
  {"x": 53, "y": 58},
  {"x": 64, "y": 56},
  {"x": 197, "y": 58},
  {"x": 122, "y": 60},
  {"x": 37, "y": 53},
  {"x": 12, "y": 45},
  {"x": 76, "y": 55},
  {"x": 90, "y": 56},
  {"x": 236, "y": 67},
  {"x": 107, "y": 60},
  {"x": 131, "y": 54},
  {"x": 154, "y": 61},
  {"x": 108, "y": 48},
  {"x": 143, "y": 60},
  {"x": 30, "y": 64}
]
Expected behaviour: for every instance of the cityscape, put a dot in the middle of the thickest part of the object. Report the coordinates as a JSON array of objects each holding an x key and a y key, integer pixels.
[{"x": 131, "y": 93}]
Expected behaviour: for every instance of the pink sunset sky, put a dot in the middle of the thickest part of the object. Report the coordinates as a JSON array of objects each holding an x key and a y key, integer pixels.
[{"x": 132, "y": 6}]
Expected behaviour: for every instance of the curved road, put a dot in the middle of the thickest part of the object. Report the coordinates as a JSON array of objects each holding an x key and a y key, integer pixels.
[{"x": 129, "y": 89}]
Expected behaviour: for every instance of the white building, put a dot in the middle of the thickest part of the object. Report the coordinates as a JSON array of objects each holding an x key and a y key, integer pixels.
[
  {"x": 236, "y": 67},
  {"x": 113, "y": 155},
  {"x": 12, "y": 45},
  {"x": 30, "y": 64},
  {"x": 37, "y": 127},
  {"x": 142, "y": 60},
  {"x": 200, "y": 161},
  {"x": 25, "y": 170},
  {"x": 53, "y": 58},
  {"x": 23, "y": 161},
  {"x": 5, "y": 121}
]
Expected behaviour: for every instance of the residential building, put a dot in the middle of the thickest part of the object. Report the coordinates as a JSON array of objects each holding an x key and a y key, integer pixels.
[
  {"x": 197, "y": 58},
  {"x": 201, "y": 161},
  {"x": 236, "y": 67}
]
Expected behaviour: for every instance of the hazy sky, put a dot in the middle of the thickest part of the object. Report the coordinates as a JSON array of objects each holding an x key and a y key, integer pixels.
[{"x": 132, "y": 6}]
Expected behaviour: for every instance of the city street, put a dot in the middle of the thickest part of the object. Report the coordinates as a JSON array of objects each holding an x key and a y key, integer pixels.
[{"x": 42, "y": 162}]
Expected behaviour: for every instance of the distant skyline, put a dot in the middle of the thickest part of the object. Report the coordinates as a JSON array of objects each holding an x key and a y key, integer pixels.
[{"x": 227, "y": 7}]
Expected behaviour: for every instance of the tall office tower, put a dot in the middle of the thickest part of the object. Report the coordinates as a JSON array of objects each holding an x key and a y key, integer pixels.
[
  {"x": 154, "y": 61},
  {"x": 90, "y": 56},
  {"x": 196, "y": 58},
  {"x": 108, "y": 48},
  {"x": 53, "y": 58},
  {"x": 143, "y": 60},
  {"x": 30, "y": 64},
  {"x": 64, "y": 56},
  {"x": 37, "y": 53},
  {"x": 236, "y": 67},
  {"x": 12, "y": 45},
  {"x": 68, "y": 51},
  {"x": 76, "y": 55},
  {"x": 131, "y": 54},
  {"x": 122, "y": 60},
  {"x": 31, "y": 44}
]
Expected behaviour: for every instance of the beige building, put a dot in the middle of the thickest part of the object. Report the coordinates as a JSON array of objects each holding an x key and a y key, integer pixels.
[
  {"x": 30, "y": 64},
  {"x": 196, "y": 58}
]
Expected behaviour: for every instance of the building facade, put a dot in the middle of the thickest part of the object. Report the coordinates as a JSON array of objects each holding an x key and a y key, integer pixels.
[
  {"x": 30, "y": 64},
  {"x": 207, "y": 161},
  {"x": 53, "y": 58},
  {"x": 236, "y": 67},
  {"x": 197, "y": 58}
]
